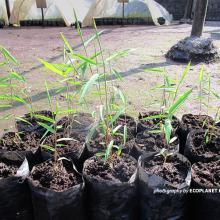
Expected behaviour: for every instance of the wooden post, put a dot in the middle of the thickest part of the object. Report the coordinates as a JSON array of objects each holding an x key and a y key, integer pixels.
[
  {"x": 199, "y": 18},
  {"x": 188, "y": 9},
  {"x": 8, "y": 8}
]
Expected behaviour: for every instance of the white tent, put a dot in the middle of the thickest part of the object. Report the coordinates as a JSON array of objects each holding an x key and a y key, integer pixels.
[
  {"x": 27, "y": 10},
  {"x": 3, "y": 12},
  {"x": 135, "y": 8}
]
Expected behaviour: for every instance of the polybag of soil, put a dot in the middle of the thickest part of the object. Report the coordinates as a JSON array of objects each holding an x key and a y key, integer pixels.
[
  {"x": 202, "y": 146},
  {"x": 71, "y": 146},
  {"x": 154, "y": 123},
  {"x": 204, "y": 200},
  {"x": 31, "y": 122},
  {"x": 191, "y": 122},
  {"x": 146, "y": 142},
  {"x": 15, "y": 198},
  {"x": 56, "y": 194},
  {"x": 79, "y": 123},
  {"x": 111, "y": 188},
  {"x": 158, "y": 190},
  {"x": 16, "y": 148}
]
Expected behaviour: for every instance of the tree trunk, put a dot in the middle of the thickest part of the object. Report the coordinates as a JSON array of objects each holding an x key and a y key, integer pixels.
[
  {"x": 199, "y": 17},
  {"x": 188, "y": 10},
  {"x": 8, "y": 8}
]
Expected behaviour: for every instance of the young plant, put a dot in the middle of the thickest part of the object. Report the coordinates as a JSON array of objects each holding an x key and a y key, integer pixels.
[{"x": 171, "y": 102}]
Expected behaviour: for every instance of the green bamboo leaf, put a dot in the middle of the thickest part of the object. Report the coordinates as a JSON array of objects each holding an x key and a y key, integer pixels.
[
  {"x": 19, "y": 77},
  {"x": 88, "y": 85},
  {"x": 179, "y": 102},
  {"x": 66, "y": 42},
  {"x": 201, "y": 75},
  {"x": 117, "y": 55},
  {"x": 24, "y": 120},
  {"x": 53, "y": 68},
  {"x": 8, "y": 55},
  {"x": 47, "y": 147},
  {"x": 167, "y": 130},
  {"x": 116, "y": 116},
  {"x": 44, "y": 118},
  {"x": 116, "y": 129},
  {"x": 48, "y": 128},
  {"x": 5, "y": 106},
  {"x": 158, "y": 70},
  {"x": 93, "y": 37},
  {"x": 108, "y": 150}
]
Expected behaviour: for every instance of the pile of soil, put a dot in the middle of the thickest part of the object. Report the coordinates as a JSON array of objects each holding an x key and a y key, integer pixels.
[
  {"x": 154, "y": 124},
  {"x": 7, "y": 170},
  {"x": 13, "y": 141},
  {"x": 207, "y": 174},
  {"x": 173, "y": 170},
  {"x": 54, "y": 176},
  {"x": 118, "y": 169}
]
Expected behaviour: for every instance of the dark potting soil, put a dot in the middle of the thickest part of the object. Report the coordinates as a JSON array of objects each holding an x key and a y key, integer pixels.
[
  {"x": 117, "y": 169},
  {"x": 207, "y": 174},
  {"x": 129, "y": 122},
  {"x": 54, "y": 176},
  {"x": 34, "y": 120},
  {"x": 68, "y": 146},
  {"x": 7, "y": 170},
  {"x": 211, "y": 149},
  {"x": 173, "y": 170},
  {"x": 12, "y": 141},
  {"x": 155, "y": 123},
  {"x": 150, "y": 142},
  {"x": 191, "y": 121},
  {"x": 80, "y": 122}
]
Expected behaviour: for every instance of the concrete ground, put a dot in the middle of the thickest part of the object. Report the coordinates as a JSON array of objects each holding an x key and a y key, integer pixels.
[{"x": 150, "y": 44}]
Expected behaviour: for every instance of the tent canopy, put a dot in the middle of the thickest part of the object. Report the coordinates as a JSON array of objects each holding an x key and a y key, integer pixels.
[
  {"x": 27, "y": 9},
  {"x": 135, "y": 8},
  {"x": 3, "y": 12},
  {"x": 85, "y": 10}
]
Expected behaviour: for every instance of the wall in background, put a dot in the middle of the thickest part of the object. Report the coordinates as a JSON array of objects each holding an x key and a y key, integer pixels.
[{"x": 177, "y": 7}]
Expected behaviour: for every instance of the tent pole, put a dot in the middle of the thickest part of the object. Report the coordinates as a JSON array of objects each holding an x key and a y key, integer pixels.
[
  {"x": 123, "y": 13},
  {"x": 42, "y": 13},
  {"x": 8, "y": 8}
]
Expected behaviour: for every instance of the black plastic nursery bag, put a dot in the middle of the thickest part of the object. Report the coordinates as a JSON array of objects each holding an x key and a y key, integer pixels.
[
  {"x": 15, "y": 199},
  {"x": 155, "y": 201}
]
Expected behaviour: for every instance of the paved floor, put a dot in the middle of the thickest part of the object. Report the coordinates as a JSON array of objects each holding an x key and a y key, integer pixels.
[{"x": 150, "y": 44}]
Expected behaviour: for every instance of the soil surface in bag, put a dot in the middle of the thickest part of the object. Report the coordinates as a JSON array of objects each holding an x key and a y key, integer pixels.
[
  {"x": 56, "y": 193},
  {"x": 130, "y": 124},
  {"x": 79, "y": 122},
  {"x": 16, "y": 146},
  {"x": 146, "y": 142},
  {"x": 71, "y": 146},
  {"x": 33, "y": 122},
  {"x": 154, "y": 124},
  {"x": 205, "y": 204},
  {"x": 157, "y": 180},
  {"x": 190, "y": 122},
  {"x": 15, "y": 198},
  {"x": 202, "y": 146},
  {"x": 111, "y": 188}
]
